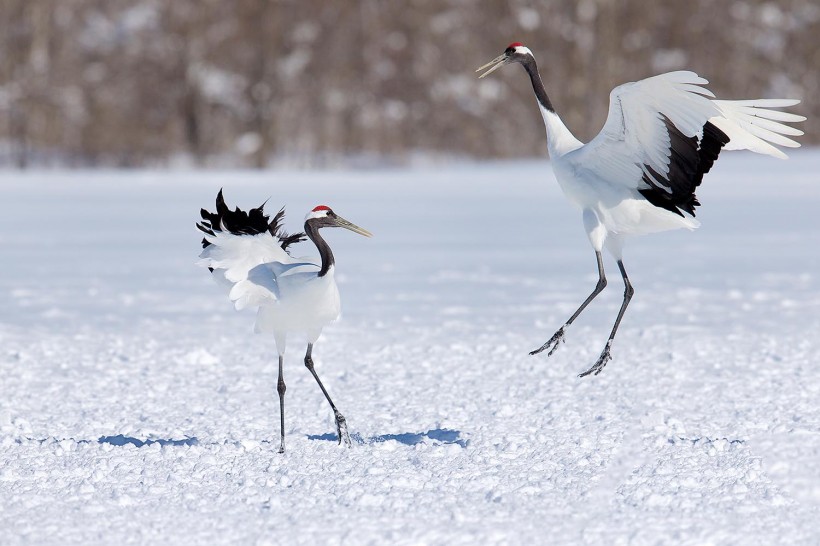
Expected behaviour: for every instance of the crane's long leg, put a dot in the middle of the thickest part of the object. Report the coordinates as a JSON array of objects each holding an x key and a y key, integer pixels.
[
  {"x": 281, "y": 388},
  {"x": 341, "y": 423},
  {"x": 605, "y": 356},
  {"x": 558, "y": 337}
]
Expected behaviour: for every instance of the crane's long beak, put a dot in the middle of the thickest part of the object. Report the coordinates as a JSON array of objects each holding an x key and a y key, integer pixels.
[
  {"x": 341, "y": 222},
  {"x": 493, "y": 65}
]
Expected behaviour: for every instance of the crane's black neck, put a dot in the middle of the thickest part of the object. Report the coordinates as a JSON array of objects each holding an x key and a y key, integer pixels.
[
  {"x": 537, "y": 84},
  {"x": 312, "y": 231}
]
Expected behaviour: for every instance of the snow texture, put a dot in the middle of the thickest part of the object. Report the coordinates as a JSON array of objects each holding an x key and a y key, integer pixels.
[{"x": 137, "y": 406}]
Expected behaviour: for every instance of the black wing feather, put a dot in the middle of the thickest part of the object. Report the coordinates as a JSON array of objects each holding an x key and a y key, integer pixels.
[
  {"x": 689, "y": 160},
  {"x": 239, "y": 222}
]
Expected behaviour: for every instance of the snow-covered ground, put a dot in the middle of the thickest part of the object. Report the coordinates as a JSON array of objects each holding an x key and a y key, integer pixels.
[{"x": 137, "y": 406}]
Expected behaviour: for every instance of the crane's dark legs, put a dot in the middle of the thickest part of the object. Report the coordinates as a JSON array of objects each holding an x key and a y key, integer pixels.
[
  {"x": 280, "y": 386},
  {"x": 605, "y": 356},
  {"x": 341, "y": 423},
  {"x": 558, "y": 336}
]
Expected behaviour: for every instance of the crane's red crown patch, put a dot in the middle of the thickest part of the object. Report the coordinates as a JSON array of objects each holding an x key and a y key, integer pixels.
[
  {"x": 320, "y": 207},
  {"x": 514, "y": 44}
]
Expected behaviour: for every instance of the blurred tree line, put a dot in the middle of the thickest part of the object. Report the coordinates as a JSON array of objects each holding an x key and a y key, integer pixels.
[{"x": 315, "y": 82}]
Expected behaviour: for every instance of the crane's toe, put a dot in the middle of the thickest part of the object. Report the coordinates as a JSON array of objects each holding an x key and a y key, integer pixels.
[
  {"x": 553, "y": 343},
  {"x": 600, "y": 363}
]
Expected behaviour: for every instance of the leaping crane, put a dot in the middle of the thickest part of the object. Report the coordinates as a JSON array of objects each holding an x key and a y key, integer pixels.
[
  {"x": 249, "y": 252},
  {"x": 639, "y": 174}
]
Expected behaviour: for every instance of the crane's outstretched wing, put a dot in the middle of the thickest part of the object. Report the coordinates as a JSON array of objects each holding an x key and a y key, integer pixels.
[
  {"x": 237, "y": 243},
  {"x": 664, "y": 133}
]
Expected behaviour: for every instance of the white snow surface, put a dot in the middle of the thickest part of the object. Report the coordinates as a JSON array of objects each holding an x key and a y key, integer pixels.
[{"x": 138, "y": 407}]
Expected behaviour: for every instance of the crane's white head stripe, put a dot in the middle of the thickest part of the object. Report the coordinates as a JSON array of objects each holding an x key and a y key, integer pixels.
[
  {"x": 318, "y": 212},
  {"x": 518, "y": 47}
]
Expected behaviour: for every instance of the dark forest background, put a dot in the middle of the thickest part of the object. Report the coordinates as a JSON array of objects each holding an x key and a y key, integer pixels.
[{"x": 321, "y": 82}]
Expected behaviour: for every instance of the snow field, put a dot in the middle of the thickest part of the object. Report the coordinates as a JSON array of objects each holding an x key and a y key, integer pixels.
[{"x": 704, "y": 429}]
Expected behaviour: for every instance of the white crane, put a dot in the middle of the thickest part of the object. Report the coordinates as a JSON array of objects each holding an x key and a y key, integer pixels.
[
  {"x": 249, "y": 252},
  {"x": 639, "y": 174}
]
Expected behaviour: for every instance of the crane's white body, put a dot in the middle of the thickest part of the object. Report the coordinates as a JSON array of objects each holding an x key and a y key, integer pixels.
[
  {"x": 247, "y": 251},
  {"x": 291, "y": 296},
  {"x": 603, "y": 176},
  {"x": 307, "y": 304}
]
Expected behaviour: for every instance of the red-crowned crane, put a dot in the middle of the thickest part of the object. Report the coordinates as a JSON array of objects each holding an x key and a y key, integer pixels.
[
  {"x": 249, "y": 252},
  {"x": 639, "y": 174}
]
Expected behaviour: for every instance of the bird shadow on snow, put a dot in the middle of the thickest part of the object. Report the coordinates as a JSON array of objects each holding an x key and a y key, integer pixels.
[
  {"x": 439, "y": 436},
  {"x": 121, "y": 440},
  {"x": 436, "y": 436},
  {"x": 118, "y": 440}
]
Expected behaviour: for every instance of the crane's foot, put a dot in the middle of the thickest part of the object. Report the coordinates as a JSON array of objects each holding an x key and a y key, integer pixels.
[
  {"x": 341, "y": 430},
  {"x": 282, "y": 447},
  {"x": 602, "y": 360},
  {"x": 556, "y": 339}
]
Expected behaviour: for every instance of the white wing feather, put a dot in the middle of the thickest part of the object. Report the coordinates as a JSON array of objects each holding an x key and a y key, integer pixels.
[
  {"x": 635, "y": 132},
  {"x": 249, "y": 264},
  {"x": 751, "y": 125},
  {"x": 238, "y": 254},
  {"x": 266, "y": 282}
]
